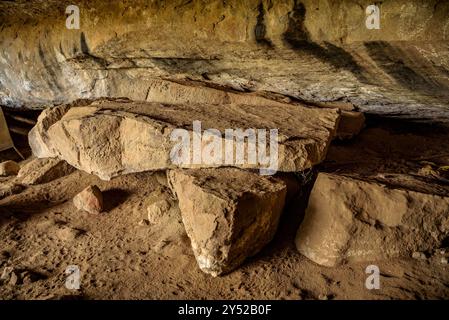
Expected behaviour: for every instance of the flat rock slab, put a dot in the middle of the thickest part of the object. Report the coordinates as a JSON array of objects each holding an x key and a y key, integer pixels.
[
  {"x": 113, "y": 137},
  {"x": 352, "y": 220},
  {"x": 165, "y": 91},
  {"x": 229, "y": 214}
]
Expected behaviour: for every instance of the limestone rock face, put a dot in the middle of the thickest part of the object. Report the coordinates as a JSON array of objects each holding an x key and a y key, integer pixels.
[
  {"x": 309, "y": 50},
  {"x": 113, "y": 137},
  {"x": 229, "y": 214},
  {"x": 350, "y": 220},
  {"x": 44, "y": 170}
]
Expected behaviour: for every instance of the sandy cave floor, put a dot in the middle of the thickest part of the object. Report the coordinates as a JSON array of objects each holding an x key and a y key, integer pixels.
[{"x": 120, "y": 257}]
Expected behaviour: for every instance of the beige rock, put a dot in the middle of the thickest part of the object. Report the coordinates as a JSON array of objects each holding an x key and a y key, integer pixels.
[
  {"x": 9, "y": 168},
  {"x": 229, "y": 214},
  {"x": 113, "y": 137},
  {"x": 350, "y": 220},
  {"x": 89, "y": 200},
  {"x": 164, "y": 91},
  {"x": 44, "y": 170}
]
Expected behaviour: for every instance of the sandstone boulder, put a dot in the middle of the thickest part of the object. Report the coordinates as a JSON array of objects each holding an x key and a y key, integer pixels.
[
  {"x": 89, "y": 200},
  {"x": 350, "y": 220},
  {"x": 9, "y": 168},
  {"x": 229, "y": 214},
  {"x": 44, "y": 170},
  {"x": 113, "y": 137}
]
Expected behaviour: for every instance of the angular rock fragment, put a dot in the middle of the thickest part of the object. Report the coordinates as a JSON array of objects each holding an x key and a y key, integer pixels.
[
  {"x": 89, "y": 200},
  {"x": 229, "y": 214},
  {"x": 44, "y": 170},
  {"x": 9, "y": 168},
  {"x": 350, "y": 220},
  {"x": 113, "y": 137}
]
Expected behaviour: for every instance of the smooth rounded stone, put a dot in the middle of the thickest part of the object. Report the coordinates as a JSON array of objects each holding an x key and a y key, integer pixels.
[
  {"x": 111, "y": 137},
  {"x": 89, "y": 200},
  {"x": 229, "y": 214},
  {"x": 9, "y": 168},
  {"x": 353, "y": 220},
  {"x": 44, "y": 170}
]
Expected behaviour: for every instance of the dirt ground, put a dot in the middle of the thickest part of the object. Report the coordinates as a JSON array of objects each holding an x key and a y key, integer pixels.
[{"x": 120, "y": 256}]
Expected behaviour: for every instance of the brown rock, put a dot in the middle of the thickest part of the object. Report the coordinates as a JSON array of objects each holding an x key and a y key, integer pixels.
[
  {"x": 229, "y": 214},
  {"x": 351, "y": 124},
  {"x": 89, "y": 200},
  {"x": 92, "y": 138},
  {"x": 349, "y": 220},
  {"x": 8, "y": 189},
  {"x": 44, "y": 170},
  {"x": 9, "y": 168}
]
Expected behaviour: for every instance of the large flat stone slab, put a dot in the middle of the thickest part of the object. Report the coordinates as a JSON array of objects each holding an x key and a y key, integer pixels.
[
  {"x": 112, "y": 137},
  {"x": 229, "y": 214},
  {"x": 352, "y": 220}
]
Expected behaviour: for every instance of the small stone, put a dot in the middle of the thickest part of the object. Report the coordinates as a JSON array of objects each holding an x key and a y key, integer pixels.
[
  {"x": 9, "y": 168},
  {"x": 6, "y": 274},
  {"x": 157, "y": 210},
  {"x": 323, "y": 297},
  {"x": 13, "y": 279},
  {"x": 90, "y": 200},
  {"x": 443, "y": 260},
  {"x": 419, "y": 255}
]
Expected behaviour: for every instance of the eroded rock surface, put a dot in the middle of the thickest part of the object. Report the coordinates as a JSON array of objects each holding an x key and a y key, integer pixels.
[
  {"x": 229, "y": 214},
  {"x": 309, "y": 50},
  {"x": 113, "y": 137},
  {"x": 350, "y": 220}
]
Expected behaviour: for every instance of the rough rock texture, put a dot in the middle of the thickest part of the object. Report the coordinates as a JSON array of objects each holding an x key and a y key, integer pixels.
[
  {"x": 89, "y": 200},
  {"x": 229, "y": 214},
  {"x": 9, "y": 168},
  {"x": 349, "y": 220},
  {"x": 164, "y": 91},
  {"x": 112, "y": 137},
  {"x": 44, "y": 170},
  {"x": 309, "y": 50},
  {"x": 10, "y": 188}
]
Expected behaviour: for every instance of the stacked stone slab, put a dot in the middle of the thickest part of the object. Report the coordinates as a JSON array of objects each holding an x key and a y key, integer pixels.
[
  {"x": 229, "y": 213},
  {"x": 113, "y": 137}
]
